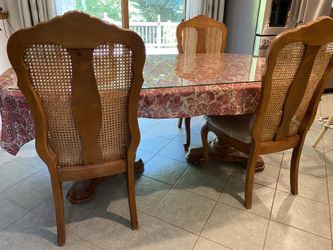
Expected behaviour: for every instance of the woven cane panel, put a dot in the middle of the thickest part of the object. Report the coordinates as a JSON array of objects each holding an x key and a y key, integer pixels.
[
  {"x": 50, "y": 72},
  {"x": 113, "y": 67},
  {"x": 213, "y": 40},
  {"x": 319, "y": 67},
  {"x": 287, "y": 64}
]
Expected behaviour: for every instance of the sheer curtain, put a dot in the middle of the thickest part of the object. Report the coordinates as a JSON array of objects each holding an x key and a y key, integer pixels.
[
  {"x": 32, "y": 12},
  {"x": 27, "y": 13},
  {"x": 211, "y": 8}
]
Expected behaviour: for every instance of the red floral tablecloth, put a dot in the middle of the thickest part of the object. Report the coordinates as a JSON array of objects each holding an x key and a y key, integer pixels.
[
  {"x": 222, "y": 99},
  {"x": 158, "y": 103}
]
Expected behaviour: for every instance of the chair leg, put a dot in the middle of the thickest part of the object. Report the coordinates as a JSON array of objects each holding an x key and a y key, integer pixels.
[
  {"x": 205, "y": 145},
  {"x": 131, "y": 197},
  {"x": 250, "y": 169},
  {"x": 59, "y": 210},
  {"x": 323, "y": 130},
  {"x": 180, "y": 121},
  {"x": 294, "y": 165},
  {"x": 188, "y": 133}
]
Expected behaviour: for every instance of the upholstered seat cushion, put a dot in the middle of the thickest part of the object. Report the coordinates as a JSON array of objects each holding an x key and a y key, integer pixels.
[{"x": 235, "y": 126}]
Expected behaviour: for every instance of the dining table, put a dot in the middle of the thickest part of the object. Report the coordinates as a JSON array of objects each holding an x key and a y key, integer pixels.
[{"x": 175, "y": 86}]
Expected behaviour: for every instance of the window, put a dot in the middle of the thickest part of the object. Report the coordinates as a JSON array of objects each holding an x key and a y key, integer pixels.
[
  {"x": 108, "y": 10},
  {"x": 154, "y": 20}
]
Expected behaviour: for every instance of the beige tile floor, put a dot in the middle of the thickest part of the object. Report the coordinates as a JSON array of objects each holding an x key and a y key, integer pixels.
[{"x": 180, "y": 206}]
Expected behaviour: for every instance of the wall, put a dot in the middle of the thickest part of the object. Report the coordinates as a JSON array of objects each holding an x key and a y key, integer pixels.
[
  {"x": 4, "y": 63},
  {"x": 15, "y": 20}
]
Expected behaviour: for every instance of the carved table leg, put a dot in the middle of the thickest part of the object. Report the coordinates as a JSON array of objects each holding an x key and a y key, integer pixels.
[
  {"x": 83, "y": 191},
  {"x": 218, "y": 150}
]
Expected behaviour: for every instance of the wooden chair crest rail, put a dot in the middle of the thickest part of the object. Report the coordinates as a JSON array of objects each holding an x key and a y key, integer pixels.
[
  {"x": 200, "y": 34},
  {"x": 299, "y": 63},
  {"x": 81, "y": 78}
]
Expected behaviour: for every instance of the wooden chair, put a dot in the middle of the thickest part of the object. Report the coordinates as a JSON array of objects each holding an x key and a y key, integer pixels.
[
  {"x": 81, "y": 78},
  {"x": 299, "y": 63},
  {"x": 200, "y": 34}
]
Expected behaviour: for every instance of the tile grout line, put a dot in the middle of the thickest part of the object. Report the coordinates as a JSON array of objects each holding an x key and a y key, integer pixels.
[
  {"x": 130, "y": 238},
  {"x": 303, "y": 172},
  {"x": 164, "y": 137},
  {"x": 241, "y": 178},
  {"x": 300, "y": 229},
  {"x": 155, "y": 153},
  {"x": 173, "y": 185},
  {"x": 168, "y": 157},
  {"x": 92, "y": 243},
  {"x": 196, "y": 242},
  {"x": 243, "y": 210},
  {"x": 27, "y": 212},
  {"x": 217, "y": 243},
  {"x": 170, "y": 188},
  {"x": 270, "y": 219},
  {"x": 312, "y": 176},
  {"x": 28, "y": 209},
  {"x": 206, "y": 197},
  {"x": 167, "y": 183},
  {"x": 169, "y": 223},
  {"x": 216, "y": 202},
  {"x": 298, "y": 195},
  {"x": 143, "y": 151},
  {"x": 10, "y": 186}
]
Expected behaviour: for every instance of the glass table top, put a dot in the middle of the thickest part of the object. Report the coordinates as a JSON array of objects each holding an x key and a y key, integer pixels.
[{"x": 166, "y": 71}]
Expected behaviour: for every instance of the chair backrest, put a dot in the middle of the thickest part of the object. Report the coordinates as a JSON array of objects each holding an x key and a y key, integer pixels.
[
  {"x": 299, "y": 63},
  {"x": 201, "y": 34},
  {"x": 82, "y": 78}
]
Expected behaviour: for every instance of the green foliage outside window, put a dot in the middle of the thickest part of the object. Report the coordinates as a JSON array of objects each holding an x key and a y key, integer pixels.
[
  {"x": 172, "y": 10},
  {"x": 99, "y": 7},
  {"x": 139, "y": 10}
]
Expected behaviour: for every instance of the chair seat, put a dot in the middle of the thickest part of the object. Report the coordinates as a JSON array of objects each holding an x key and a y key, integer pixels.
[{"x": 235, "y": 126}]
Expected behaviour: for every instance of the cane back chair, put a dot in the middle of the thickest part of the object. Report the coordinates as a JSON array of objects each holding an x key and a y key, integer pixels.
[
  {"x": 81, "y": 78},
  {"x": 299, "y": 63},
  {"x": 200, "y": 34}
]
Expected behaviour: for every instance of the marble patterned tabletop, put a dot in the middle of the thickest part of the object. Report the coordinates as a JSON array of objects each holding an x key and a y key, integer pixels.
[
  {"x": 166, "y": 71},
  {"x": 175, "y": 86}
]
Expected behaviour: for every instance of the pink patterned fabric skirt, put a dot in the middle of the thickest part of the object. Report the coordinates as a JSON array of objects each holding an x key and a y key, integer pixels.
[{"x": 158, "y": 103}]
